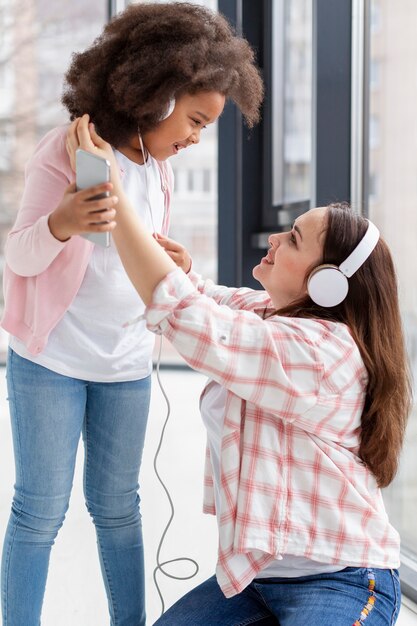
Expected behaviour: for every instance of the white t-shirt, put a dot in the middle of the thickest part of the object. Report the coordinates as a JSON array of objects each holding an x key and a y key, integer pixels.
[
  {"x": 212, "y": 412},
  {"x": 90, "y": 341}
]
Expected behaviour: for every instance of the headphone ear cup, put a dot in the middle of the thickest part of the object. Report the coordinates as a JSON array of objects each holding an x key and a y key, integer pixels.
[
  {"x": 171, "y": 107},
  {"x": 327, "y": 286}
]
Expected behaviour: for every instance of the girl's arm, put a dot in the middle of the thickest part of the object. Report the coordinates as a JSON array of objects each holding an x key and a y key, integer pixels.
[
  {"x": 51, "y": 210},
  {"x": 146, "y": 263}
]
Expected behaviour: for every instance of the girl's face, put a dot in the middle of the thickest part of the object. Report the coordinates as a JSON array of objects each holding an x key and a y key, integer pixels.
[
  {"x": 283, "y": 271},
  {"x": 191, "y": 114}
]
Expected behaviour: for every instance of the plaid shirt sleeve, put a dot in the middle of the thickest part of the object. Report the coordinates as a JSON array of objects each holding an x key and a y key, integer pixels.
[
  {"x": 270, "y": 363},
  {"x": 236, "y": 298}
]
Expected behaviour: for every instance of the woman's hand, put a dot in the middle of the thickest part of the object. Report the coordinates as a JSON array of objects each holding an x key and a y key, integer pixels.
[
  {"x": 176, "y": 251},
  {"x": 82, "y": 134},
  {"x": 77, "y": 213}
]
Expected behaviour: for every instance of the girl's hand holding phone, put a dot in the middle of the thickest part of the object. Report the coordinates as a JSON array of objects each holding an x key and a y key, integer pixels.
[{"x": 77, "y": 213}]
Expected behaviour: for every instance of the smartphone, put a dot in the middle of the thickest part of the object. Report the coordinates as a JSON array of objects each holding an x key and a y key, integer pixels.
[{"x": 91, "y": 170}]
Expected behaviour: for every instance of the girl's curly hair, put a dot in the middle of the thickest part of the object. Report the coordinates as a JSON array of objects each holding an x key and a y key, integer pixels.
[{"x": 152, "y": 52}]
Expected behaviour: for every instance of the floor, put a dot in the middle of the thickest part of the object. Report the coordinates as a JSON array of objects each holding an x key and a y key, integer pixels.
[{"x": 74, "y": 595}]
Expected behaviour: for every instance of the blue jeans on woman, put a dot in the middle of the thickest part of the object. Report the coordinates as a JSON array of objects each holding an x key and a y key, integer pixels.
[
  {"x": 351, "y": 597},
  {"x": 48, "y": 414}
]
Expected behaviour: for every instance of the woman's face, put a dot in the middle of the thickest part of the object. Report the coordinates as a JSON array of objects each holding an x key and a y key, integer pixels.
[
  {"x": 182, "y": 128},
  {"x": 283, "y": 271}
]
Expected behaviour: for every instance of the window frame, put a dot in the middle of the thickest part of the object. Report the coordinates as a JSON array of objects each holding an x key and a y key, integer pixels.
[{"x": 246, "y": 212}]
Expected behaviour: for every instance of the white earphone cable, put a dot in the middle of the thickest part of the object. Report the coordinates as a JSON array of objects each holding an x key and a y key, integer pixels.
[
  {"x": 145, "y": 155},
  {"x": 160, "y": 565}
]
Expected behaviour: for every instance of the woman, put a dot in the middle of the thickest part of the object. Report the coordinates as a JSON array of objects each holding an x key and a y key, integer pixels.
[{"x": 305, "y": 414}]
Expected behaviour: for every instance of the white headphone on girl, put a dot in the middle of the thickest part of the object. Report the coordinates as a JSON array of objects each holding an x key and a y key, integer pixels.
[
  {"x": 328, "y": 284},
  {"x": 170, "y": 108}
]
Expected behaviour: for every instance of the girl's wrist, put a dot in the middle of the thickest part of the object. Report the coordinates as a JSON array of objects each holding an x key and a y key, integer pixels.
[{"x": 56, "y": 229}]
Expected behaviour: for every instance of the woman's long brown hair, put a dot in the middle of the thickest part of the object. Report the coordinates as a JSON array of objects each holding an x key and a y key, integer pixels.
[{"x": 371, "y": 311}]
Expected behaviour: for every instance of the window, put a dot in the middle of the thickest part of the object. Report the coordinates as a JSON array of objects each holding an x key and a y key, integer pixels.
[
  {"x": 6, "y": 47},
  {"x": 198, "y": 181},
  {"x": 291, "y": 100},
  {"x": 36, "y": 42},
  {"x": 392, "y": 205},
  {"x": 6, "y": 142},
  {"x": 207, "y": 176},
  {"x": 375, "y": 17},
  {"x": 373, "y": 187},
  {"x": 374, "y": 74},
  {"x": 191, "y": 180},
  {"x": 374, "y": 131}
]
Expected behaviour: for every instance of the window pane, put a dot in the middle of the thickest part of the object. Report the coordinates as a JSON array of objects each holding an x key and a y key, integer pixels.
[
  {"x": 291, "y": 100},
  {"x": 393, "y": 202}
]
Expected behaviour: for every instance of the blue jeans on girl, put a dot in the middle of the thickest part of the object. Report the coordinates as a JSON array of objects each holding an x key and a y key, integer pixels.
[
  {"x": 48, "y": 413},
  {"x": 352, "y": 597}
]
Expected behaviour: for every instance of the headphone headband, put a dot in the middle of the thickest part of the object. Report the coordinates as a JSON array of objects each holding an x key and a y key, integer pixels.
[{"x": 361, "y": 252}]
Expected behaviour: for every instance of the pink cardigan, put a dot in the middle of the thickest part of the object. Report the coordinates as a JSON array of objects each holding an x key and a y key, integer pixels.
[{"x": 43, "y": 275}]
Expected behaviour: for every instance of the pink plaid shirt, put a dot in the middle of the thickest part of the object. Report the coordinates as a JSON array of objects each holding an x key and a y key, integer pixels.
[{"x": 291, "y": 479}]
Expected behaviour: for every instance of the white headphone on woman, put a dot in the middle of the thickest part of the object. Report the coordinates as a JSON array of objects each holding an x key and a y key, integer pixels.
[{"x": 328, "y": 284}]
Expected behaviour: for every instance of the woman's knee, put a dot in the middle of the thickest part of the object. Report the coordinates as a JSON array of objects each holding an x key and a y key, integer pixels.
[{"x": 205, "y": 605}]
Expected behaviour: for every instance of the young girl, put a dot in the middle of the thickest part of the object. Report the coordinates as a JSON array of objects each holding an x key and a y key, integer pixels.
[
  {"x": 305, "y": 413},
  {"x": 155, "y": 78}
]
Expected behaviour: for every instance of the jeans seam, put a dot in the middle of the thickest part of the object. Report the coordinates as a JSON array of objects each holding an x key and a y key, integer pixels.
[
  {"x": 113, "y": 607},
  {"x": 109, "y": 583},
  {"x": 396, "y": 607},
  {"x": 254, "y": 619},
  {"x": 267, "y": 607},
  {"x": 16, "y": 522}
]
